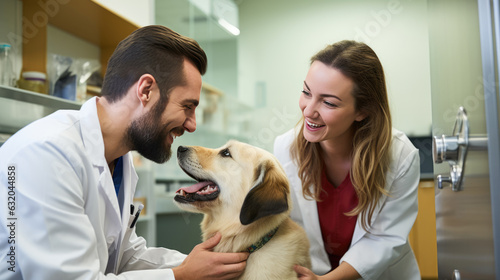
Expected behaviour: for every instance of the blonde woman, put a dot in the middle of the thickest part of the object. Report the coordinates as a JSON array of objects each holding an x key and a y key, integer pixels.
[{"x": 354, "y": 178}]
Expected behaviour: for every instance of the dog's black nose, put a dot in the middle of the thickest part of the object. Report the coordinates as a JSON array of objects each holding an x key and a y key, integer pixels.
[{"x": 181, "y": 149}]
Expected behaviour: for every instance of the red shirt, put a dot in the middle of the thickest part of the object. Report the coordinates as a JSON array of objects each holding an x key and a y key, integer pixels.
[{"x": 336, "y": 227}]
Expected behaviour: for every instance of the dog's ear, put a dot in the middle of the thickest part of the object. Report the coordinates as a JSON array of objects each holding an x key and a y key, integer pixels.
[{"x": 269, "y": 195}]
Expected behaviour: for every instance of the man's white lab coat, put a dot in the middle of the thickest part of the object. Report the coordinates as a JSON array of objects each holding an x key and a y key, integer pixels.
[{"x": 68, "y": 221}]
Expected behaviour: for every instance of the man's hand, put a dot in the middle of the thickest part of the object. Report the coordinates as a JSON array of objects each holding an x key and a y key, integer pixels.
[{"x": 202, "y": 263}]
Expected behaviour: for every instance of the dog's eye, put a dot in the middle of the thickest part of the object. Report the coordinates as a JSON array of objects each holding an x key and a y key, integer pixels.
[{"x": 225, "y": 153}]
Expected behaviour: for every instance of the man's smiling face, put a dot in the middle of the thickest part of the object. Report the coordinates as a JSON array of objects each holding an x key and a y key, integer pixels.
[{"x": 153, "y": 133}]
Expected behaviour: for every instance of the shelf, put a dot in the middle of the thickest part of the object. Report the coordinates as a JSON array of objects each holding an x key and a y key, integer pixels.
[
  {"x": 37, "y": 98},
  {"x": 20, "y": 107}
]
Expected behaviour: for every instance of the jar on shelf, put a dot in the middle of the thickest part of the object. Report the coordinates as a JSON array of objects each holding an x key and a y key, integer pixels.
[
  {"x": 7, "y": 75},
  {"x": 34, "y": 81}
]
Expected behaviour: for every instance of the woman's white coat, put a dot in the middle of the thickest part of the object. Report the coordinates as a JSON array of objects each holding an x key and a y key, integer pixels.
[{"x": 383, "y": 253}]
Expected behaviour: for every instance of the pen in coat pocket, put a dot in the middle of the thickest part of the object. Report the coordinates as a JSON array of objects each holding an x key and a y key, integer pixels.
[{"x": 137, "y": 215}]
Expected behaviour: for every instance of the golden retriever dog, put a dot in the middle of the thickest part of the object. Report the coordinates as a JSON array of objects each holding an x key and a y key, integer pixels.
[{"x": 244, "y": 194}]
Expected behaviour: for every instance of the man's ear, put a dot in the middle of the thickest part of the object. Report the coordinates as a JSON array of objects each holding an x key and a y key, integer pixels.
[
  {"x": 145, "y": 85},
  {"x": 269, "y": 196}
]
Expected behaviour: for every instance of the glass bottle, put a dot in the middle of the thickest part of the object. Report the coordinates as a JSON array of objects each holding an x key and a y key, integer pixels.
[{"x": 7, "y": 76}]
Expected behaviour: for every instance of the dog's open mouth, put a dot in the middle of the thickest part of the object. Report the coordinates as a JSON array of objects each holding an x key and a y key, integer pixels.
[{"x": 202, "y": 191}]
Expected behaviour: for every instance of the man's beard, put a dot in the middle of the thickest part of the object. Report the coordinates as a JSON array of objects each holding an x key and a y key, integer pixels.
[{"x": 148, "y": 137}]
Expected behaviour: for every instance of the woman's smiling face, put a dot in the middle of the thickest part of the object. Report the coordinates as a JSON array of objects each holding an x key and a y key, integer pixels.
[{"x": 327, "y": 104}]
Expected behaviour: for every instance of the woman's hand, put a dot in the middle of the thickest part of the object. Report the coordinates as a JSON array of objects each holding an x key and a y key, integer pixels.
[
  {"x": 344, "y": 272},
  {"x": 304, "y": 273}
]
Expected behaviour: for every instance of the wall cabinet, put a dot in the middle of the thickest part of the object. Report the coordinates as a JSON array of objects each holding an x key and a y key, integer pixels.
[
  {"x": 423, "y": 234},
  {"x": 86, "y": 19}
]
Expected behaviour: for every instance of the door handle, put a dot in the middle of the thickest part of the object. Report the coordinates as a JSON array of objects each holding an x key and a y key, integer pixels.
[{"x": 453, "y": 149}]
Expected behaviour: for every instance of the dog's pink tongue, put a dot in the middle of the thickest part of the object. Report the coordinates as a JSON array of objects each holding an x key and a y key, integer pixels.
[{"x": 196, "y": 187}]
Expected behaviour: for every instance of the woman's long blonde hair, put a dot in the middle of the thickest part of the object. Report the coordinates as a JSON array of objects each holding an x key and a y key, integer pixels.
[{"x": 372, "y": 136}]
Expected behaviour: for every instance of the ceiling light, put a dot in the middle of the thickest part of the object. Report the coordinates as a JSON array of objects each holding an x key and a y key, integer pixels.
[{"x": 229, "y": 27}]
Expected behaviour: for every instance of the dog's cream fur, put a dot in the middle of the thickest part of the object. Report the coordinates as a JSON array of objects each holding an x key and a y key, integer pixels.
[{"x": 253, "y": 199}]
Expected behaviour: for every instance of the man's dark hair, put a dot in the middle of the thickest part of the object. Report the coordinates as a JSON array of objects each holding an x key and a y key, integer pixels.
[{"x": 155, "y": 50}]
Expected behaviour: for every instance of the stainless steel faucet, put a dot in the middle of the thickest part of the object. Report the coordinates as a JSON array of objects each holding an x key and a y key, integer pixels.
[{"x": 454, "y": 150}]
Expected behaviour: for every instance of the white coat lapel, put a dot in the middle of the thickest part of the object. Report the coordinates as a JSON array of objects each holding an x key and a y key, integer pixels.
[
  {"x": 310, "y": 219},
  {"x": 359, "y": 232},
  {"x": 310, "y": 213},
  {"x": 128, "y": 185},
  {"x": 94, "y": 147}
]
